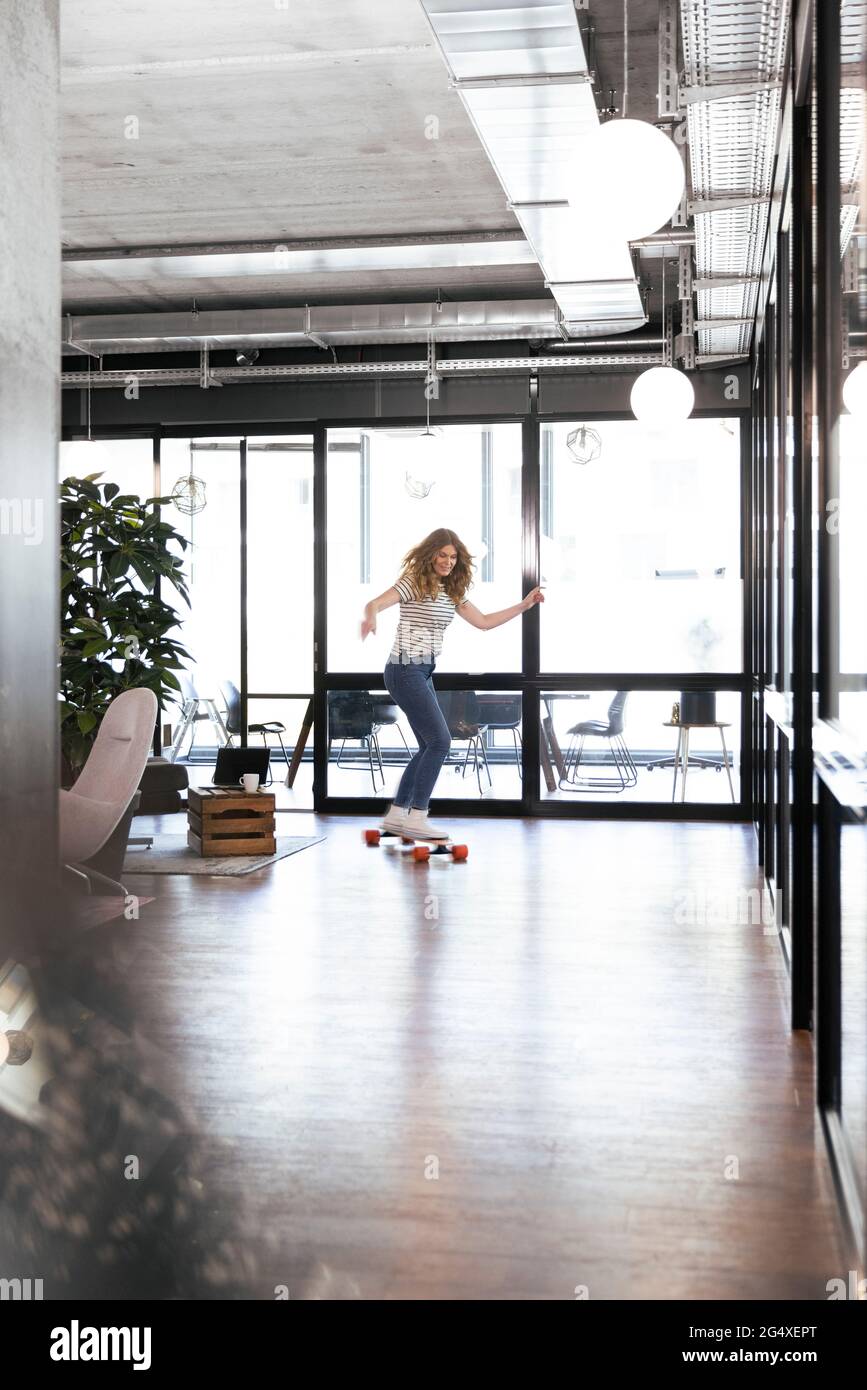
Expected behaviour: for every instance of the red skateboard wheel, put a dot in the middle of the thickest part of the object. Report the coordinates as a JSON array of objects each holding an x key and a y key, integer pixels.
[
  {"x": 371, "y": 837},
  {"x": 421, "y": 853},
  {"x": 460, "y": 852}
]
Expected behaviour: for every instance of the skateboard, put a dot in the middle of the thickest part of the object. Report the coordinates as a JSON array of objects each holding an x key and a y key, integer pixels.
[{"x": 421, "y": 849}]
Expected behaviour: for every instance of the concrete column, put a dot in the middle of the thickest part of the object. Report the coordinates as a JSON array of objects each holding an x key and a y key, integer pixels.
[{"x": 29, "y": 414}]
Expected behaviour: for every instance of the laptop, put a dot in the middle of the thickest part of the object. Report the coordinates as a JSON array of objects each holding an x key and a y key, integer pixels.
[{"x": 232, "y": 763}]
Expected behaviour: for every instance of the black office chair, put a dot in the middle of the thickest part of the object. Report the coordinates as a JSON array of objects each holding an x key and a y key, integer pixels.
[
  {"x": 503, "y": 712},
  {"x": 612, "y": 730},
  {"x": 351, "y": 714},
  {"x": 461, "y": 712},
  {"x": 232, "y": 700},
  {"x": 387, "y": 712}
]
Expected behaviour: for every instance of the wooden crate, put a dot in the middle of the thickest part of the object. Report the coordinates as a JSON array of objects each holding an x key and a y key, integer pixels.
[{"x": 222, "y": 821}]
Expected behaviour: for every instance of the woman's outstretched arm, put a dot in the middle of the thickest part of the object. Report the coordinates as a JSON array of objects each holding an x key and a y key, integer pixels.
[
  {"x": 376, "y": 605},
  {"x": 486, "y": 621}
]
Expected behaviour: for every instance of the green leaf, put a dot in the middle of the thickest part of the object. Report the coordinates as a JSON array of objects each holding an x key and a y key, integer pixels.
[
  {"x": 144, "y": 572},
  {"x": 116, "y": 565},
  {"x": 96, "y": 644},
  {"x": 86, "y": 720}
]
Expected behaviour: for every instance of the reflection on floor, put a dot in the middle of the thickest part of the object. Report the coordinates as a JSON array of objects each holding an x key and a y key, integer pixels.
[{"x": 566, "y": 1062}]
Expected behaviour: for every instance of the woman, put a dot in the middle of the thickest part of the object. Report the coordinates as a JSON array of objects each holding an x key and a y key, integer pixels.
[{"x": 433, "y": 583}]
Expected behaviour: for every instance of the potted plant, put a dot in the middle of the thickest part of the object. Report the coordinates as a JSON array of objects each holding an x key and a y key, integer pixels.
[{"x": 114, "y": 632}]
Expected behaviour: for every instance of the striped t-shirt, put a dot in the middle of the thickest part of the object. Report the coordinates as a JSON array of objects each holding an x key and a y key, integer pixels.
[{"x": 423, "y": 620}]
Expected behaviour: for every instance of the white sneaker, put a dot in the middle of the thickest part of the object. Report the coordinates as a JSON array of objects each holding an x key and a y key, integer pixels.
[
  {"x": 420, "y": 828},
  {"x": 395, "y": 819}
]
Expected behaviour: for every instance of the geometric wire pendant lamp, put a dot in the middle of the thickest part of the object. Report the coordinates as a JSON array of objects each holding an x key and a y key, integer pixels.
[
  {"x": 584, "y": 444},
  {"x": 188, "y": 494}
]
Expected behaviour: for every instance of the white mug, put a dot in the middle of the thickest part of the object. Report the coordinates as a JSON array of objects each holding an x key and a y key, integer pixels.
[{"x": 250, "y": 781}]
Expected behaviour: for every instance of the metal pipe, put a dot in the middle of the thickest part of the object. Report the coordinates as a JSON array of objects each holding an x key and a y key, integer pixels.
[
  {"x": 191, "y": 376},
  {"x": 672, "y": 237},
  {"x": 589, "y": 343}
]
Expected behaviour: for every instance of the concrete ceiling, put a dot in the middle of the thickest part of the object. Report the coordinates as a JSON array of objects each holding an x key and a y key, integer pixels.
[{"x": 216, "y": 124}]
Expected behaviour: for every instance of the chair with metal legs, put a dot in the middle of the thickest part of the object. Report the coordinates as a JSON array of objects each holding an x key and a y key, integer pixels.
[
  {"x": 621, "y": 758},
  {"x": 192, "y": 714},
  {"x": 503, "y": 712},
  {"x": 461, "y": 711},
  {"x": 386, "y": 713},
  {"x": 232, "y": 698},
  {"x": 351, "y": 716}
]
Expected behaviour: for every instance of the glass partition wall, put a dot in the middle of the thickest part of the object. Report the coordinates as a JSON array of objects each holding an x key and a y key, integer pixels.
[
  {"x": 809, "y": 505},
  {"x": 639, "y": 550}
]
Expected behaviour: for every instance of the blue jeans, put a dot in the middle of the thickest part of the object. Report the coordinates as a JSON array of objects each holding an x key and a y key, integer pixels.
[{"x": 411, "y": 688}]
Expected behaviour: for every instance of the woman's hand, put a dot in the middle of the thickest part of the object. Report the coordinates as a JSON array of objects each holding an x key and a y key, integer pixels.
[
  {"x": 535, "y": 596},
  {"x": 368, "y": 624}
]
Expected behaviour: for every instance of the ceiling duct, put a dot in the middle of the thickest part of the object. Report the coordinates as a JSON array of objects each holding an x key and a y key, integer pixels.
[
  {"x": 734, "y": 66},
  {"x": 521, "y": 72},
  {"x": 324, "y": 325},
  {"x": 88, "y": 275}
]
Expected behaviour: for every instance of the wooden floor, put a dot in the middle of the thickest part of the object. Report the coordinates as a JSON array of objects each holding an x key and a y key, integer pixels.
[{"x": 503, "y": 1079}]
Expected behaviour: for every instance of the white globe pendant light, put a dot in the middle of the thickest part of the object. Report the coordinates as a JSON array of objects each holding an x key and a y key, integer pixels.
[
  {"x": 855, "y": 391},
  {"x": 629, "y": 179},
  {"x": 662, "y": 396}
]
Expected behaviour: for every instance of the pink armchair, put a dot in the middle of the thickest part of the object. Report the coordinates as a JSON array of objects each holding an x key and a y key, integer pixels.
[{"x": 92, "y": 809}]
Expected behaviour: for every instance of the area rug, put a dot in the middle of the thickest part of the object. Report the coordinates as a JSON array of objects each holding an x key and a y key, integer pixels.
[{"x": 170, "y": 854}]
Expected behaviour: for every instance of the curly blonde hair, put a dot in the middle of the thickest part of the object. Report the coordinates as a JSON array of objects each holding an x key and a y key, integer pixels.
[{"x": 418, "y": 566}]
